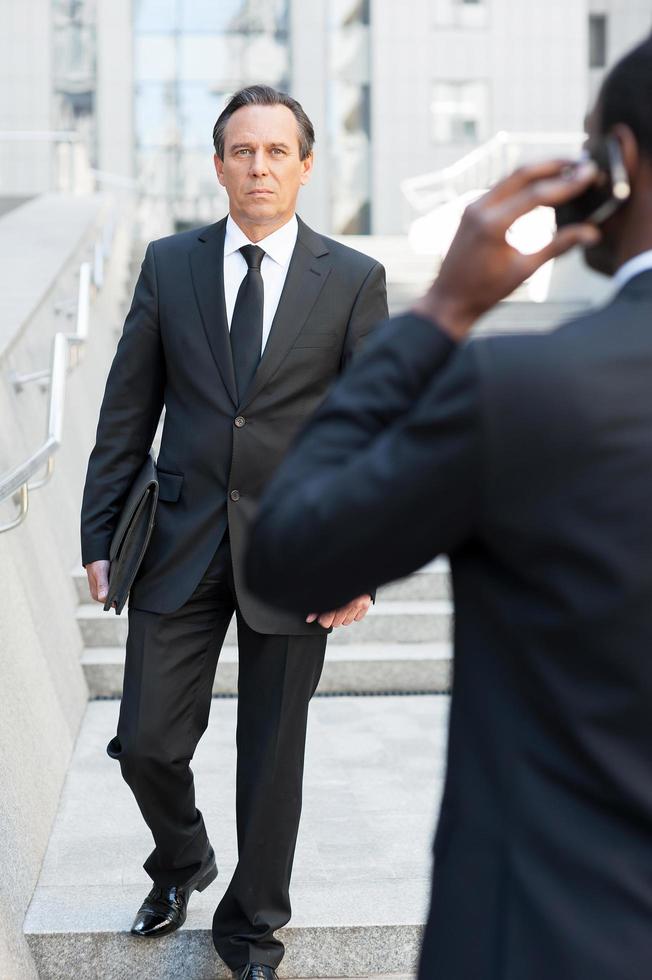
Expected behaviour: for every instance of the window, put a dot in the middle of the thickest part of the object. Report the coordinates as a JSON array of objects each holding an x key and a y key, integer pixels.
[
  {"x": 597, "y": 41},
  {"x": 459, "y": 112},
  {"x": 460, "y": 13}
]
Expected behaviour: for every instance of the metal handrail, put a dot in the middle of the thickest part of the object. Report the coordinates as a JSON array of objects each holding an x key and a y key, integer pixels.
[
  {"x": 425, "y": 191},
  {"x": 17, "y": 481}
]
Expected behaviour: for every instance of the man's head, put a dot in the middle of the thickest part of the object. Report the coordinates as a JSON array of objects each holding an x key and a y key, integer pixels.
[
  {"x": 623, "y": 111},
  {"x": 263, "y": 154}
]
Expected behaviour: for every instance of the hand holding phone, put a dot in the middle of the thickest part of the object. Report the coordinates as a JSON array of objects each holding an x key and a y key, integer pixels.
[{"x": 609, "y": 191}]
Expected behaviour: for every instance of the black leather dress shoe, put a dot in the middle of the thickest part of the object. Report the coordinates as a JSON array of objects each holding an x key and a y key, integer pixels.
[
  {"x": 255, "y": 971},
  {"x": 166, "y": 906}
]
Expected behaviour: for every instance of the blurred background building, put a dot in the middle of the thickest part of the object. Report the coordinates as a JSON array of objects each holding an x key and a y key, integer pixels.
[{"x": 394, "y": 90}]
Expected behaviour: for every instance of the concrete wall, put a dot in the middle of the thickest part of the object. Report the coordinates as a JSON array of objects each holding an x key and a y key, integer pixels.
[
  {"x": 531, "y": 57},
  {"x": 114, "y": 106},
  {"x": 25, "y": 94},
  {"x": 308, "y": 65},
  {"x": 43, "y": 688}
]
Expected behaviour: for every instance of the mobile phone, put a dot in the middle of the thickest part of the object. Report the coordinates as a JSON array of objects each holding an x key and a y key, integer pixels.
[{"x": 609, "y": 191}]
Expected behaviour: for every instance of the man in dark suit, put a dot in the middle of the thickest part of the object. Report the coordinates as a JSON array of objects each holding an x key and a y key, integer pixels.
[
  {"x": 528, "y": 459},
  {"x": 206, "y": 305}
]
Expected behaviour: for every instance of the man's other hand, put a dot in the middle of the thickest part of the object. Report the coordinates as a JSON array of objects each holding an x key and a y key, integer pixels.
[
  {"x": 353, "y": 612},
  {"x": 98, "y": 579},
  {"x": 481, "y": 268}
]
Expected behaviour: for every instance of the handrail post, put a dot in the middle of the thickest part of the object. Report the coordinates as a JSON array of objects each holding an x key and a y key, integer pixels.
[{"x": 23, "y": 503}]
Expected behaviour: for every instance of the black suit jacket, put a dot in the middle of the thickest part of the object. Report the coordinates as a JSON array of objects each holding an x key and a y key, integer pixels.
[
  {"x": 529, "y": 460},
  {"x": 175, "y": 352}
]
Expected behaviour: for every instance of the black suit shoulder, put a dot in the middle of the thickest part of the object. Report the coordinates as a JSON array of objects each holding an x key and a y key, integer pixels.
[
  {"x": 360, "y": 262},
  {"x": 529, "y": 358},
  {"x": 182, "y": 241}
]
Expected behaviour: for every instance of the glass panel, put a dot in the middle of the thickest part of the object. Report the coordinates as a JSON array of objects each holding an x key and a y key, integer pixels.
[
  {"x": 199, "y": 107},
  {"x": 211, "y": 58},
  {"x": 234, "y": 16},
  {"x": 266, "y": 61},
  {"x": 154, "y": 58},
  {"x": 155, "y": 112},
  {"x": 231, "y": 61},
  {"x": 155, "y": 16}
]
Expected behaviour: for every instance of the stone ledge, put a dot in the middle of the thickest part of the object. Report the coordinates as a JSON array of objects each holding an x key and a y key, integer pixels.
[{"x": 37, "y": 241}]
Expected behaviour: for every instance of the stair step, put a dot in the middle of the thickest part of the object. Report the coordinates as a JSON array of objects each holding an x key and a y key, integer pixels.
[
  {"x": 349, "y": 668},
  {"x": 390, "y": 622},
  {"x": 432, "y": 582},
  {"x": 374, "y": 774}
]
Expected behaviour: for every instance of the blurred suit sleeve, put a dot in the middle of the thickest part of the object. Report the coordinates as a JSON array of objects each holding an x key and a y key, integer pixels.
[
  {"x": 386, "y": 475},
  {"x": 131, "y": 409},
  {"x": 368, "y": 312}
]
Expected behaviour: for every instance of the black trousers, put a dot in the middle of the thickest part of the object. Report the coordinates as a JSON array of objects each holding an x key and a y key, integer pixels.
[{"x": 169, "y": 670}]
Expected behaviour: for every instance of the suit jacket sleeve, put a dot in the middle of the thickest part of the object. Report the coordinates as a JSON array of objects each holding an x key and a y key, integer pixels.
[
  {"x": 368, "y": 312},
  {"x": 385, "y": 476},
  {"x": 131, "y": 408}
]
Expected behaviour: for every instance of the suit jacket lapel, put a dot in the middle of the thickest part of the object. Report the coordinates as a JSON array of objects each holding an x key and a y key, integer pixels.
[
  {"x": 307, "y": 273},
  {"x": 207, "y": 269}
]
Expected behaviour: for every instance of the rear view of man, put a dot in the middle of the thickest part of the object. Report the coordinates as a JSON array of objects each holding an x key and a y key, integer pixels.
[
  {"x": 207, "y": 305},
  {"x": 528, "y": 459}
]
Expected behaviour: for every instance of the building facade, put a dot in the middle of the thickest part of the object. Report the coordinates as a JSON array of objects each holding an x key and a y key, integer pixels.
[{"x": 394, "y": 90}]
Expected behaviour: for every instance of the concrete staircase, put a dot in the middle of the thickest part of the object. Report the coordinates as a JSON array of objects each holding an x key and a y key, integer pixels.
[
  {"x": 402, "y": 645},
  {"x": 374, "y": 773}
]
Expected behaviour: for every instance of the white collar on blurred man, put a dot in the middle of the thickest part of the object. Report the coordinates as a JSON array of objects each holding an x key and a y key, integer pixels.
[{"x": 633, "y": 267}]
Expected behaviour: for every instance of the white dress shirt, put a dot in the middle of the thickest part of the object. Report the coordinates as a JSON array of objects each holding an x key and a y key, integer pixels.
[
  {"x": 278, "y": 248},
  {"x": 633, "y": 267}
]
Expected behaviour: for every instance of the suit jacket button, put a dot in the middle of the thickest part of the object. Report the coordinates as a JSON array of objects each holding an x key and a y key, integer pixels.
[
  {"x": 240, "y": 421},
  {"x": 235, "y": 495}
]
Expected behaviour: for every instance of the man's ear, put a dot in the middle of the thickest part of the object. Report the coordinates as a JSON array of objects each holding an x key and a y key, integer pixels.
[
  {"x": 306, "y": 168},
  {"x": 629, "y": 149},
  {"x": 219, "y": 168}
]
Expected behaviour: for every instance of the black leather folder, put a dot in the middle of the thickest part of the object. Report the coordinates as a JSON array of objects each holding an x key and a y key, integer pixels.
[{"x": 132, "y": 534}]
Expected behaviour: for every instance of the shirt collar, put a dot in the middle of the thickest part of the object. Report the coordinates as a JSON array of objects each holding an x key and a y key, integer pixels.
[
  {"x": 279, "y": 245},
  {"x": 633, "y": 267}
]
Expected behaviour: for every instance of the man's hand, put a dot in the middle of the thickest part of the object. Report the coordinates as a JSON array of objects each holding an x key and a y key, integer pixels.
[
  {"x": 481, "y": 268},
  {"x": 345, "y": 615},
  {"x": 98, "y": 579}
]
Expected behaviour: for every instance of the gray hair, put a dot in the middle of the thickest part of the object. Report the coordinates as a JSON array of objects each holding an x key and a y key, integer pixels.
[{"x": 264, "y": 95}]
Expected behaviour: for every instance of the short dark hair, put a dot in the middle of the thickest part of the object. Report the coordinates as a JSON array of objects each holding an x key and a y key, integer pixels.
[
  {"x": 264, "y": 95},
  {"x": 626, "y": 95}
]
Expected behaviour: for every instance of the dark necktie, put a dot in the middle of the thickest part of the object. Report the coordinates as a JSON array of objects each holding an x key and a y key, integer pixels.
[{"x": 247, "y": 320}]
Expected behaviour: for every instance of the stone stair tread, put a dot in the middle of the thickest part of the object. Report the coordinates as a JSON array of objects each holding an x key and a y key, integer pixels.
[
  {"x": 374, "y": 776},
  {"x": 433, "y": 576},
  {"x": 351, "y": 651},
  {"x": 385, "y": 607},
  {"x": 364, "y": 668}
]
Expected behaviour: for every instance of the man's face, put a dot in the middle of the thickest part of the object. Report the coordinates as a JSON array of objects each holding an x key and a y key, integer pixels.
[{"x": 262, "y": 170}]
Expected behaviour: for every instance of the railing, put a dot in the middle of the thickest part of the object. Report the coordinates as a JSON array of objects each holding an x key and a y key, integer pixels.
[
  {"x": 484, "y": 165},
  {"x": 18, "y": 482},
  {"x": 71, "y": 173}
]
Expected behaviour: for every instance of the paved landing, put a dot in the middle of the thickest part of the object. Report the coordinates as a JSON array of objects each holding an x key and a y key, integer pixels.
[{"x": 374, "y": 775}]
